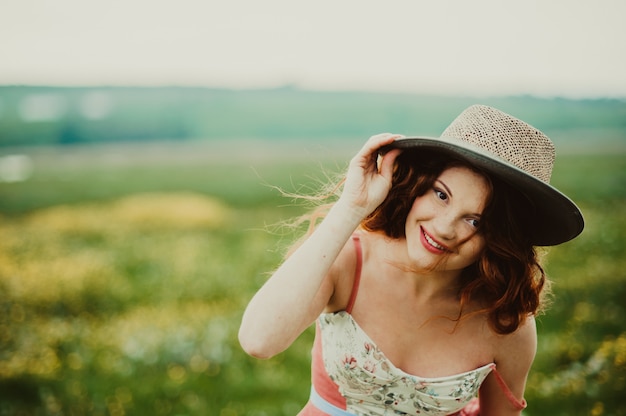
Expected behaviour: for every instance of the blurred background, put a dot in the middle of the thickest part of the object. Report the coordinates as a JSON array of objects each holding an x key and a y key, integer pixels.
[{"x": 141, "y": 143}]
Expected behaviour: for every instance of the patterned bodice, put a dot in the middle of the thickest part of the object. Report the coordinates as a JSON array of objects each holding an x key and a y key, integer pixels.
[{"x": 372, "y": 385}]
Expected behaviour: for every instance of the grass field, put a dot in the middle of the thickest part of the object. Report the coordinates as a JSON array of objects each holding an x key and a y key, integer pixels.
[{"x": 124, "y": 271}]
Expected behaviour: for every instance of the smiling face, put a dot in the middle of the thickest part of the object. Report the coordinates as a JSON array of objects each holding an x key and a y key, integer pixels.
[{"x": 442, "y": 228}]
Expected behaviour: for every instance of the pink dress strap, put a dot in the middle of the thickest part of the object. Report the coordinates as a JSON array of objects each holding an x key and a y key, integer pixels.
[
  {"x": 517, "y": 403},
  {"x": 357, "y": 272},
  {"x": 473, "y": 407}
]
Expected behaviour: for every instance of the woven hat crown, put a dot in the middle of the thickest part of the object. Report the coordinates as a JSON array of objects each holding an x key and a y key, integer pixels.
[{"x": 505, "y": 137}]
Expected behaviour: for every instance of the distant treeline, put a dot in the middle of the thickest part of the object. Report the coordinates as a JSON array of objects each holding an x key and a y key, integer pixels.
[{"x": 32, "y": 115}]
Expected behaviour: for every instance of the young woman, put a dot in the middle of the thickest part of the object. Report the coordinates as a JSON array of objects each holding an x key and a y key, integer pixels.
[{"x": 423, "y": 278}]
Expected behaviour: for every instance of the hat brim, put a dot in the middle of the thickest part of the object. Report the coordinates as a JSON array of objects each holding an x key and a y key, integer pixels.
[{"x": 558, "y": 219}]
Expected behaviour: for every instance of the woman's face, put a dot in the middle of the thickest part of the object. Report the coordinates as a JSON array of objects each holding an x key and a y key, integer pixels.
[{"x": 442, "y": 226}]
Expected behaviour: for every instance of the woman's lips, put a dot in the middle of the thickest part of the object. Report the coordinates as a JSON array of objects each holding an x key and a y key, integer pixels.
[{"x": 431, "y": 244}]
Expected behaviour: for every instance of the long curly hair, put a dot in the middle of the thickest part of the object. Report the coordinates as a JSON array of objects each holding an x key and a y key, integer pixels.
[{"x": 507, "y": 280}]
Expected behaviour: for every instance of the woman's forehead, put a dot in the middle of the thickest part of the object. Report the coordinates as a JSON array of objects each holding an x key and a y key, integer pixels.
[{"x": 463, "y": 180}]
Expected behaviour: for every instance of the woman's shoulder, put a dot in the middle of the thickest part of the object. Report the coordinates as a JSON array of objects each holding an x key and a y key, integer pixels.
[
  {"x": 519, "y": 346},
  {"x": 503, "y": 349},
  {"x": 341, "y": 273},
  {"x": 357, "y": 251}
]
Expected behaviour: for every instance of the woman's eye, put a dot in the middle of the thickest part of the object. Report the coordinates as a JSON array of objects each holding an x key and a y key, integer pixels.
[
  {"x": 474, "y": 222},
  {"x": 441, "y": 195}
]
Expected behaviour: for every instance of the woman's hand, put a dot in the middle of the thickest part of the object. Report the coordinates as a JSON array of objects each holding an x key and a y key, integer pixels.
[{"x": 369, "y": 175}]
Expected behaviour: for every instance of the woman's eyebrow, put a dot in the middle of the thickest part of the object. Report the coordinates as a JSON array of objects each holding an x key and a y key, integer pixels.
[{"x": 445, "y": 186}]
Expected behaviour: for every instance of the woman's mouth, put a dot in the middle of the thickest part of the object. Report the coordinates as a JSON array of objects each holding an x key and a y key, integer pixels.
[{"x": 431, "y": 244}]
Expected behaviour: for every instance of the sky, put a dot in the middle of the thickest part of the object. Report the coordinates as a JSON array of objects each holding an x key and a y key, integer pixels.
[{"x": 568, "y": 48}]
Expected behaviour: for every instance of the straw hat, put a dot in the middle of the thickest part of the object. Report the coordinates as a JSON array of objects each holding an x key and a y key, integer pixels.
[{"x": 519, "y": 154}]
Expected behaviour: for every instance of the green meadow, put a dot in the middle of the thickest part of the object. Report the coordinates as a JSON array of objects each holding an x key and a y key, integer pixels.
[{"x": 125, "y": 268}]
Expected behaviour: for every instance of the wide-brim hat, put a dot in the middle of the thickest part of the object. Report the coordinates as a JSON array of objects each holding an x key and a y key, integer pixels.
[{"x": 517, "y": 153}]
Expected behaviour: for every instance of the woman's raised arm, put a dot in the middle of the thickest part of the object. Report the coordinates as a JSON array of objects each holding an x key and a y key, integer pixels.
[{"x": 302, "y": 286}]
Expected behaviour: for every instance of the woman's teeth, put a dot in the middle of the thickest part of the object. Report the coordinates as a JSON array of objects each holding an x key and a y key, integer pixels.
[{"x": 433, "y": 242}]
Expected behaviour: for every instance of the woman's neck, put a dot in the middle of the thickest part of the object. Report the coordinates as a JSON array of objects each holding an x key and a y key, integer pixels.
[{"x": 425, "y": 284}]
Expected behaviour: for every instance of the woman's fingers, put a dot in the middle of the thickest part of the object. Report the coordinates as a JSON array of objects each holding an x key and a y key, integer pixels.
[
  {"x": 374, "y": 143},
  {"x": 367, "y": 157},
  {"x": 370, "y": 174},
  {"x": 386, "y": 164}
]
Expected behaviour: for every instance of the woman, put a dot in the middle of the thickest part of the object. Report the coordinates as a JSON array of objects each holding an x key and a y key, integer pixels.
[{"x": 423, "y": 278}]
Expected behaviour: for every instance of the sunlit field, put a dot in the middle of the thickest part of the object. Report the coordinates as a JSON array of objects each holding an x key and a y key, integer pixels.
[{"x": 125, "y": 269}]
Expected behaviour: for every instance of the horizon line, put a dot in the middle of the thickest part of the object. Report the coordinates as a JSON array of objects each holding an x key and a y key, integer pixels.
[{"x": 300, "y": 88}]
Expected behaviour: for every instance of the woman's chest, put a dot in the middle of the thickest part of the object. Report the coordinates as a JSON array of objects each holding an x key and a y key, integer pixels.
[{"x": 431, "y": 340}]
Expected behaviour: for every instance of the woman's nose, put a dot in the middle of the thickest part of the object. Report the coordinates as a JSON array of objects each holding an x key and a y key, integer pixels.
[{"x": 444, "y": 226}]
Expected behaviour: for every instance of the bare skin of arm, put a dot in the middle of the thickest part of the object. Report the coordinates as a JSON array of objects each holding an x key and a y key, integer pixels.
[{"x": 304, "y": 284}]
